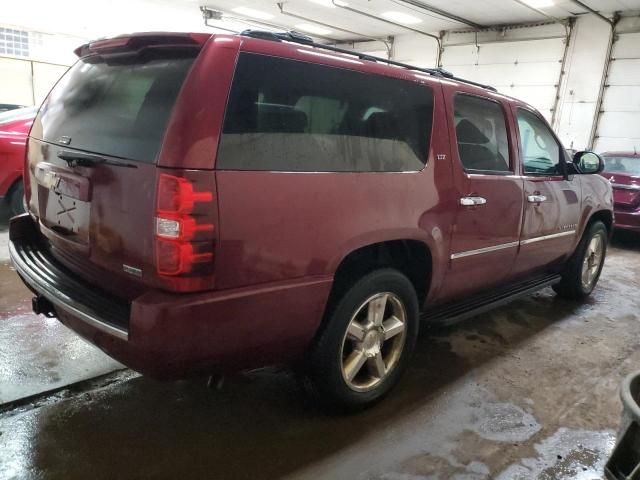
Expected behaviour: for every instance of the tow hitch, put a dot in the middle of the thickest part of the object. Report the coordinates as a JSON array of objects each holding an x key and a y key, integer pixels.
[{"x": 43, "y": 306}]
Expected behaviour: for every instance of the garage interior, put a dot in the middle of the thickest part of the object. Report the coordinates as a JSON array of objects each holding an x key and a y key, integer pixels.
[{"x": 529, "y": 390}]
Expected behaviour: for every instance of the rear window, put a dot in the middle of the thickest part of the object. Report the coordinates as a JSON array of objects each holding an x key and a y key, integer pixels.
[
  {"x": 118, "y": 107},
  {"x": 286, "y": 115}
]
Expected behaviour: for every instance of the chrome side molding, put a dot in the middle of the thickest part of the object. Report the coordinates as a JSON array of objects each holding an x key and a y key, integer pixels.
[{"x": 502, "y": 246}]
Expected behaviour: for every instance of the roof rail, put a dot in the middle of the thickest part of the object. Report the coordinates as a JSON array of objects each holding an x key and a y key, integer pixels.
[{"x": 297, "y": 37}]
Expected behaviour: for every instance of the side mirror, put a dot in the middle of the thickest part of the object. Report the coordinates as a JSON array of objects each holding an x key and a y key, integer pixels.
[{"x": 588, "y": 162}]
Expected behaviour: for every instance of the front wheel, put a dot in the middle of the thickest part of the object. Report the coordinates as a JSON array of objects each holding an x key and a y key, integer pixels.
[
  {"x": 583, "y": 270},
  {"x": 366, "y": 343}
]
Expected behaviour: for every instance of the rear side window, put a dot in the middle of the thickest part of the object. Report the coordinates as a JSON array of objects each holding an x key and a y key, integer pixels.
[
  {"x": 286, "y": 115},
  {"x": 481, "y": 132},
  {"x": 118, "y": 106}
]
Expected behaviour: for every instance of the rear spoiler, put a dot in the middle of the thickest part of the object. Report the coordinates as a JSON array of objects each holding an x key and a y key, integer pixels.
[{"x": 138, "y": 41}]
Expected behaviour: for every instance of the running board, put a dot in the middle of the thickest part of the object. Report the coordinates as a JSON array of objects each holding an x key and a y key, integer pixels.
[{"x": 454, "y": 312}]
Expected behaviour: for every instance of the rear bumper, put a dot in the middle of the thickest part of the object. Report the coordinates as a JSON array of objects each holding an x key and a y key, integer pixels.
[
  {"x": 170, "y": 335},
  {"x": 626, "y": 220}
]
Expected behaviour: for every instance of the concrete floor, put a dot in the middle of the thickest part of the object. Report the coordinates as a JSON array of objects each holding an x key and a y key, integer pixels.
[{"x": 527, "y": 391}]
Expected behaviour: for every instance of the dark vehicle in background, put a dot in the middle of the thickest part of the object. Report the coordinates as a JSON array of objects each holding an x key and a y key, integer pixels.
[
  {"x": 14, "y": 127},
  {"x": 622, "y": 169},
  {"x": 203, "y": 204}
]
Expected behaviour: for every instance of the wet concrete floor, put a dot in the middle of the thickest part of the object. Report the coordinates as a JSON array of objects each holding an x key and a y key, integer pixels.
[
  {"x": 37, "y": 354},
  {"x": 528, "y": 391}
]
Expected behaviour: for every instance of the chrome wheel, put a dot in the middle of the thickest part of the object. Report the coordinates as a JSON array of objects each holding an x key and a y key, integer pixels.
[
  {"x": 373, "y": 342},
  {"x": 592, "y": 261}
]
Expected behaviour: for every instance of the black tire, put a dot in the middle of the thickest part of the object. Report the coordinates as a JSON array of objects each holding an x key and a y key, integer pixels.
[
  {"x": 16, "y": 194},
  {"x": 572, "y": 286},
  {"x": 323, "y": 370}
]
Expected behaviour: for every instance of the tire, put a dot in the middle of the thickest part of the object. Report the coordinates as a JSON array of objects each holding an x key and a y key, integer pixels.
[
  {"x": 339, "y": 349},
  {"x": 16, "y": 195},
  {"x": 574, "y": 285}
]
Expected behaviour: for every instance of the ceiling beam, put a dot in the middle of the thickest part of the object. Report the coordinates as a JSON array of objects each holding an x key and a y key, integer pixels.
[
  {"x": 385, "y": 41},
  {"x": 595, "y": 12},
  {"x": 399, "y": 25},
  {"x": 443, "y": 13},
  {"x": 215, "y": 14},
  {"x": 541, "y": 12}
]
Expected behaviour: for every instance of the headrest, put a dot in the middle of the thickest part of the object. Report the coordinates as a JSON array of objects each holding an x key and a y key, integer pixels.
[{"x": 467, "y": 132}]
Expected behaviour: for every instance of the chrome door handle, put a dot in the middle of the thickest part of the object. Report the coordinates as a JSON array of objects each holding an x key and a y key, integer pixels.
[
  {"x": 471, "y": 201},
  {"x": 536, "y": 198}
]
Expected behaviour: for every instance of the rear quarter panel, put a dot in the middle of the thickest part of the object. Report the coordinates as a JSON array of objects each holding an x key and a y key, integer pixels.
[{"x": 13, "y": 138}]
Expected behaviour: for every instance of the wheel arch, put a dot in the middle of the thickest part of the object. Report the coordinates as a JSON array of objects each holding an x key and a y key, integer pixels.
[
  {"x": 605, "y": 216},
  {"x": 411, "y": 257}
]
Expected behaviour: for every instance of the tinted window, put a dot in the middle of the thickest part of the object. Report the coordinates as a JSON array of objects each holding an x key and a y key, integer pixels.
[
  {"x": 628, "y": 165},
  {"x": 117, "y": 108},
  {"x": 294, "y": 116},
  {"x": 540, "y": 150},
  {"x": 481, "y": 133}
]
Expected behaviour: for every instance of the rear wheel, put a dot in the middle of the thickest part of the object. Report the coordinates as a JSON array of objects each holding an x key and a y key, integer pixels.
[
  {"x": 367, "y": 342},
  {"x": 583, "y": 270},
  {"x": 15, "y": 198}
]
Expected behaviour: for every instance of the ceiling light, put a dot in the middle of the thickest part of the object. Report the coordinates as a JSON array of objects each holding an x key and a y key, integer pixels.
[
  {"x": 310, "y": 28},
  {"x": 253, "y": 13},
  {"x": 329, "y": 3},
  {"x": 400, "y": 17},
  {"x": 539, "y": 3}
]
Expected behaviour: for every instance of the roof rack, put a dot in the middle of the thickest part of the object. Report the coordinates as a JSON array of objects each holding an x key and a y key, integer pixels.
[{"x": 301, "y": 38}]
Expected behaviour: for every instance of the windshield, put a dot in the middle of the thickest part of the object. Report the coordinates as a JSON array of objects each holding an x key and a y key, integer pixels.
[
  {"x": 17, "y": 114},
  {"x": 118, "y": 107},
  {"x": 628, "y": 165}
]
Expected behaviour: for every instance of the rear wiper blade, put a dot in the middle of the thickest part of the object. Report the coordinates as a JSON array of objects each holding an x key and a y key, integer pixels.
[{"x": 80, "y": 159}]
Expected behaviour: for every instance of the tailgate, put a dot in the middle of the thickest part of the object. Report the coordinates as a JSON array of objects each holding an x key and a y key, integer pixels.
[{"x": 92, "y": 157}]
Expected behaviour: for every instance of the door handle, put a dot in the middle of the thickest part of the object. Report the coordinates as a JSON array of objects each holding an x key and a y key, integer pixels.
[
  {"x": 536, "y": 198},
  {"x": 472, "y": 201}
]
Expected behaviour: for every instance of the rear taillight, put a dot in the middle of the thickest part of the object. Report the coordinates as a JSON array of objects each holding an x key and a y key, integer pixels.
[{"x": 183, "y": 237}]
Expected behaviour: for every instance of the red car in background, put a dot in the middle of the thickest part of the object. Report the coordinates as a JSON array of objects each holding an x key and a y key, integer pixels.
[
  {"x": 622, "y": 169},
  {"x": 14, "y": 128}
]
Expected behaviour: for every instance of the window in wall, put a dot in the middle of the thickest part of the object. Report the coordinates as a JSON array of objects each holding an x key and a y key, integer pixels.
[
  {"x": 287, "y": 115},
  {"x": 14, "y": 42},
  {"x": 540, "y": 150},
  {"x": 481, "y": 133}
]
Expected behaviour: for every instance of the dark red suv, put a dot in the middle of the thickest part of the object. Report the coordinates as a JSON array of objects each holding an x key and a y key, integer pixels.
[
  {"x": 622, "y": 169},
  {"x": 206, "y": 203}
]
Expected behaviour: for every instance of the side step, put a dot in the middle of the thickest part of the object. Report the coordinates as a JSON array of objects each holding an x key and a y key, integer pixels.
[{"x": 454, "y": 312}]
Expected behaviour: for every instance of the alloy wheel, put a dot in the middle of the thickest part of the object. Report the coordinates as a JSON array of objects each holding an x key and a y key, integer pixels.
[
  {"x": 373, "y": 342},
  {"x": 592, "y": 261}
]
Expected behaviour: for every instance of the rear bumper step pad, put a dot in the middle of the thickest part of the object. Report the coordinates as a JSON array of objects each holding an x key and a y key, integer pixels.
[{"x": 65, "y": 290}]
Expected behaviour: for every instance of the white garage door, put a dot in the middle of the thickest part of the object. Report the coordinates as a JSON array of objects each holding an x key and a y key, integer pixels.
[
  {"x": 528, "y": 69},
  {"x": 619, "y": 123},
  {"x": 25, "y": 82}
]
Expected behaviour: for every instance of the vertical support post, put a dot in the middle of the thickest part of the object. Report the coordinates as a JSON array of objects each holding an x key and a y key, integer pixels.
[
  {"x": 603, "y": 84},
  {"x": 556, "y": 102},
  {"x": 33, "y": 84}
]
